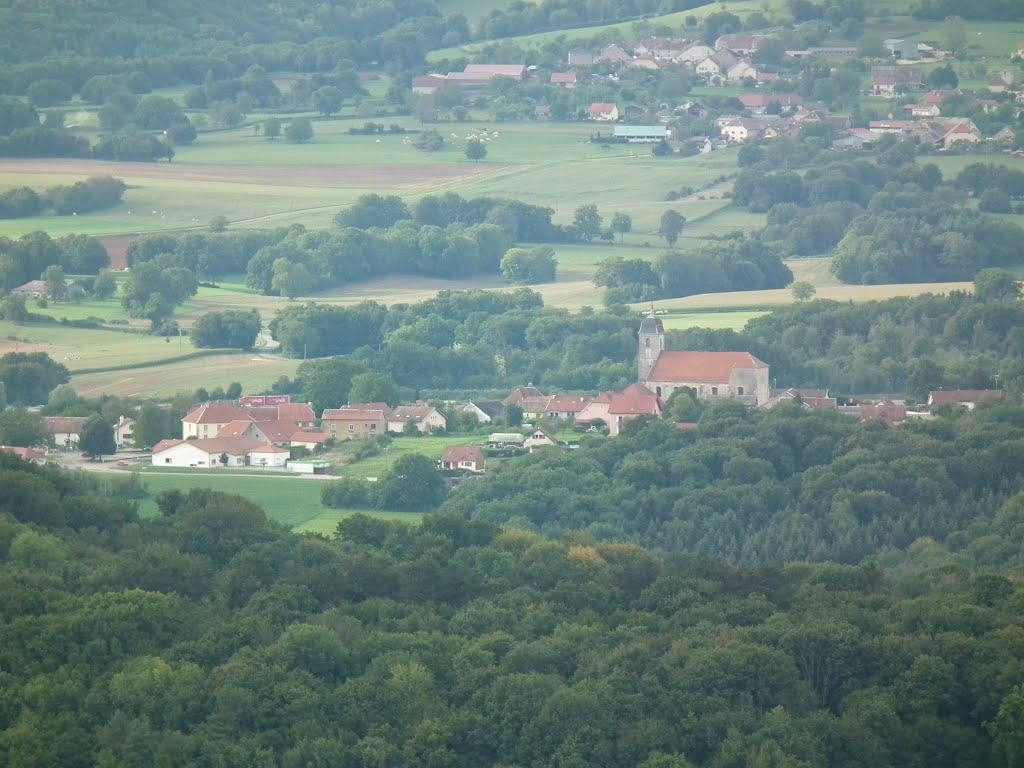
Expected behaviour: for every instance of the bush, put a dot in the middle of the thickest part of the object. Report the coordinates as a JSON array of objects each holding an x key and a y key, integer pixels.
[{"x": 348, "y": 493}]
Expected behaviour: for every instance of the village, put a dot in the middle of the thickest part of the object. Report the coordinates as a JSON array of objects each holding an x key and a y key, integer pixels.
[
  {"x": 272, "y": 433},
  {"x": 940, "y": 117}
]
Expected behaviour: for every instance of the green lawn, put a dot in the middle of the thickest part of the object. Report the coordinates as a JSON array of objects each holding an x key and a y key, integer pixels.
[
  {"x": 291, "y": 501},
  {"x": 431, "y": 447}
]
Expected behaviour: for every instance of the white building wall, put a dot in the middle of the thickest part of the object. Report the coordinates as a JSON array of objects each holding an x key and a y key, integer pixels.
[{"x": 256, "y": 459}]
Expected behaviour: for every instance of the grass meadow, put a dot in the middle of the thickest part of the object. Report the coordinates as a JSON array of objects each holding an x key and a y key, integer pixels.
[
  {"x": 374, "y": 466},
  {"x": 292, "y": 501}
]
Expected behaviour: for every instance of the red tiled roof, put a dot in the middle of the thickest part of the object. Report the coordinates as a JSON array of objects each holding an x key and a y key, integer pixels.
[
  {"x": 568, "y": 404},
  {"x": 295, "y": 413},
  {"x": 712, "y": 367},
  {"x": 237, "y": 428},
  {"x": 520, "y": 394},
  {"x": 233, "y": 446},
  {"x": 634, "y": 400},
  {"x": 28, "y": 454},
  {"x": 601, "y": 109},
  {"x": 370, "y": 407}
]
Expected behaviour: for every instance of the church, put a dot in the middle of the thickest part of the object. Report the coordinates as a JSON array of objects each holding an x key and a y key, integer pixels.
[{"x": 712, "y": 375}]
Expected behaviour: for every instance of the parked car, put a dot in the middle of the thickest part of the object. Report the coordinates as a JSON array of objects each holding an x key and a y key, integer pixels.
[{"x": 122, "y": 463}]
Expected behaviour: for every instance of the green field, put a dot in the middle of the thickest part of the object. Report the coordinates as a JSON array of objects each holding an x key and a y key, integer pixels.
[
  {"x": 291, "y": 501},
  {"x": 431, "y": 447},
  {"x": 733, "y": 320}
]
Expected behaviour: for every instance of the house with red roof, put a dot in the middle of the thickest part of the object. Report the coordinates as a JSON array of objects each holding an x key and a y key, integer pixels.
[
  {"x": 208, "y": 453},
  {"x": 25, "y": 454},
  {"x": 608, "y": 113},
  {"x": 964, "y": 398},
  {"x": 563, "y": 79},
  {"x": 206, "y": 420},
  {"x": 711, "y": 375},
  {"x": 353, "y": 423},
  {"x": 613, "y": 409}
]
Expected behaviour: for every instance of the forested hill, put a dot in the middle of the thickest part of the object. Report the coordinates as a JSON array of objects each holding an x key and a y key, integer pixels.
[
  {"x": 209, "y": 637},
  {"x": 31, "y": 30}
]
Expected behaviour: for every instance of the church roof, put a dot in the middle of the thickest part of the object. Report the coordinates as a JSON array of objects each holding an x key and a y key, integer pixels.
[
  {"x": 651, "y": 324},
  {"x": 710, "y": 367}
]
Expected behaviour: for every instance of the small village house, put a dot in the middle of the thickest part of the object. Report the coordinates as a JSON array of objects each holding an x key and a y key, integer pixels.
[
  {"x": 612, "y": 54},
  {"x": 210, "y": 453},
  {"x": 124, "y": 432},
  {"x": 484, "y": 411},
  {"x": 694, "y": 54},
  {"x": 601, "y": 112},
  {"x": 353, "y": 423},
  {"x": 30, "y": 455},
  {"x": 424, "y": 417},
  {"x": 208, "y": 419},
  {"x": 311, "y": 441},
  {"x": 539, "y": 438},
  {"x": 566, "y": 406},
  {"x": 34, "y": 289},
  {"x": 968, "y": 399},
  {"x": 563, "y": 79},
  {"x": 470, "y": 458},
  {"x": 64, "y": 430}
]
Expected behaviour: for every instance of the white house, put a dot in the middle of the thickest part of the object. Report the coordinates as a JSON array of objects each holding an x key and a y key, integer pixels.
[
  {"x": 64, "y": 429},
  {"x": 218, "y": 452},
  {"x": 539, "y": 438},
  {"x": 741, "y": 70},
  {"x": 124, "y": 435},
  {"x": 468, "y": 457}
]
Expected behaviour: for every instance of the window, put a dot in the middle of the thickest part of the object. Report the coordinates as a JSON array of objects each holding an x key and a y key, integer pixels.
[
  {"x": 739, "y": 390},
  {"x": 714, "y": 390},
  {"x": 647, "y": 343},
  {"x": 167, "y": 461},
  {"x": 373, "y": 427},
  {"x": 657, "y": 391},
  {"x": 351, "y": 427}
]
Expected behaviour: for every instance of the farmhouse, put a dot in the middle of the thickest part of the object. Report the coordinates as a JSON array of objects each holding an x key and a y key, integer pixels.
[
  {"x": 484, "y": 411},
  {"x": 741, "y": 70},
  {"x": 604, "y": 112},
  {"x": 566, "y": 406},
  {"x": 563, "y": 79},
  {"x": 467, "y": 457},
  {"x": 641, "y": 134},
  {"x": 613, "y": 54},
  {"x": 742, "y": 44},
  {"x": 425, "y": 418},
  {"x": 694, "y": 55},
  {"x": 427, "y": 85},
  {"x": 613, "y": 409},
  {"x": 208, "y": 419},
  {"x": 311, "y": 441},
  {"x": 521, "y": 393},
  {"x": 740, "y": 129},
  {"x": 34, "y": 289},
  {"x": 353, "y": 423},
  {"x": 64, "y": 429},
  {"x": 711, "y": 375},
  {"x": 218, "y": 452}
]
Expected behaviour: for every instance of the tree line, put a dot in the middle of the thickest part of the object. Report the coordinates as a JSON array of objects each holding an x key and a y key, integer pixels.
[
  {"x": 93, "y": 194},
  {"x": 28, "y": 257},
  {"x": 210, "y": 635}
]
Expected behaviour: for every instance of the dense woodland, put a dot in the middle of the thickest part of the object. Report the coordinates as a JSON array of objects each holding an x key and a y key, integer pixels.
[{"x": 210, "y": 636}]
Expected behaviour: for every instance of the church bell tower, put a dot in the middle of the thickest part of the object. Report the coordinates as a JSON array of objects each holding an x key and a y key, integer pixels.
[{"x": 652, "y": 343}]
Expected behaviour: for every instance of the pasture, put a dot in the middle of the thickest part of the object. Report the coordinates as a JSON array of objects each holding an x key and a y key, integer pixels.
[
  {"x": 375, "y": 466},
  {"x": 291, "y": 501}
]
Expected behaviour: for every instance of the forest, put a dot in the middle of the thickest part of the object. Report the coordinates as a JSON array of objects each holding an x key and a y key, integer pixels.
[{"x": 210, "y": 636}]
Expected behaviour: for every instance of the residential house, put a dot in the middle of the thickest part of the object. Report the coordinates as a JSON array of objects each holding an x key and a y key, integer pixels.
[
  {"x": 716, "y": 66},
  {"x": 612, "y": 54},
  {"x": 744, "y": 45},
  {"x": 514, "y": 71},
  {"x": 888, "y": 126},
  {"x": 424, "y": 416},
  {"x": 998, "y": 85},
  {"x": 613, "y": 409},
  {"x": 470, "y": 458},
  {"x": 30, "y": 455},
  {"x": 964, "y": 398},
  {"x": 124, "y": 432},
  {"x": 353, "y": 423},
  {"x": 208, "y": 419},
  {"x": 884, "y": 86},
  {"x": 740, "y": 129},
  {"x": 645, "y": 61},
  {"x": 1006, "y": 137},
  {"x": 539, "y": 438},
  {"x": 694, "y": 55},
  {"x": 564, "y": 79},
  {"x": 810, "y": 399},
  {"x": 632, "y": 111},
  {"x": 887, "y": 411},
  {"x": 711, "y": 375},
  {"x": 217, "y": 452},
  {"x": 311, "y": 441},
  {"x": 641, "y": 134},
  {"x": 534, "y": 407},
  {"x": 604, "y": 112},
  {"x": 923, "y": 110},
  {"x": 520, "y": 394},
  {"x": 944, "y": 132},
  {"x": 427, "y": 85},
  {"x": 740, "y": 71},
  {"x": 64, "y": 430},
  {"x": 542, "y": 113},
  {"x": 484, "y": 411},
  {"x": 34, "y": 289},
  {"x": 669, "y": 50},
  {"x": 566, "y": 406},
  {"x": 581, "y": 58},
  {"x": 759, "y": 103},
  {"x": 939, "y": 95}
]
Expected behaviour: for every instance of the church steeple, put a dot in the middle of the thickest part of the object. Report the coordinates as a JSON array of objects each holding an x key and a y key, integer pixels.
[{"x": 651, "y": 340}]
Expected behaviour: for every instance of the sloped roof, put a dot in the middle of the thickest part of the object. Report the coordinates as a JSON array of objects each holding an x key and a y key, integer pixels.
[
  {"x": 458, "y": 453},
  {"x": 310, "y": 437},
  {"x": 69, "y": 425},
  {"x": 217, "y": 412},
  {"x": 568, "y": 404},
  {"x": 599, "y": 108},
  {"x": 352, "y": 414},
  {"x": 237, "y": 428},
  {"x": 28, "y": 454},
  {"x": 411, "y": 412},
  {"x": 232, "y": 446},
  {"x": 520, "y": 394},
  {"x": 712, "y": 367},
  {"x": 563, "y": 77},
  {"x": 491, "y": 407},
  {"x": 534, "y": 404},
  {"x": 295, "y": 412},
  {"x": 370, "y": 407},
  {"x": 957, "y": 396},
  {"x": 634, "y": 400}
]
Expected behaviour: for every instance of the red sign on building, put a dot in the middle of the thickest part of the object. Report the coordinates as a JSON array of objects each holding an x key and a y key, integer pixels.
[{"x": 253, "y": 400}]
